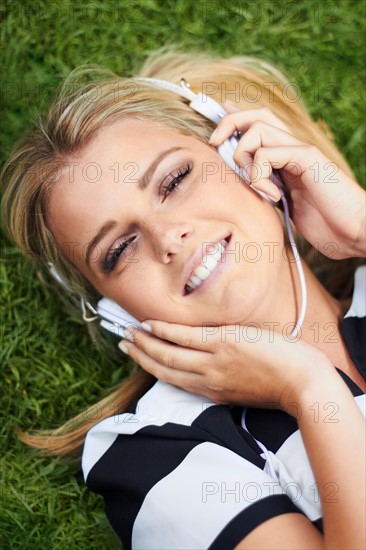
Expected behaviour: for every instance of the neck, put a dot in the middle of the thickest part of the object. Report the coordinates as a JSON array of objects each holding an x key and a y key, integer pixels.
[{"x": 321, "y": 325}]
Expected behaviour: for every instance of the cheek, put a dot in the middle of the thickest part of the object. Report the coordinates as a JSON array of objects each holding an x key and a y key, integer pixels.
[
  {"x": 140, "y": 295},
  {"x": 246, "y": 208},
  {"x": 225, "y": 185},
  {"x": 215, "y": 196}
]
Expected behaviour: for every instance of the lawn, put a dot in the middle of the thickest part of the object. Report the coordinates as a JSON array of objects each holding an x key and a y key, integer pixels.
[{"x": 49, "y": 368}]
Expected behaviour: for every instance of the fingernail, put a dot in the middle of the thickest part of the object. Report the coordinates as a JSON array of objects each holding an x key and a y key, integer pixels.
[
  {"x": 275, "y": 193},
  {"x": 213, "y": 136},
  {"x": 272, "y": 193},
  {"x": 146, "y": 326},
  {"x": 122, "y": 346}
]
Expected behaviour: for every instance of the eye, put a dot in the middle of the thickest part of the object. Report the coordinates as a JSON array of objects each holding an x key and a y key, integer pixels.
[
  {"x": 114, "y": 253},
  {"x": 171, "y": 182},
  {"x": 170, "y": 185}
]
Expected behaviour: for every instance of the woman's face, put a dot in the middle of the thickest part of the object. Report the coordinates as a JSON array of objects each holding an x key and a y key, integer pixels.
[{"x": 168, "y": 226}]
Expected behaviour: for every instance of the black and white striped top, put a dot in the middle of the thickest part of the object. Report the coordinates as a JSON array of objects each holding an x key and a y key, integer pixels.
[{"x": 180, "y": 472}]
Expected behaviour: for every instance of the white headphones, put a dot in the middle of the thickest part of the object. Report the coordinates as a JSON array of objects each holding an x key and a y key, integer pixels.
[{"x": 113, "y": 317}]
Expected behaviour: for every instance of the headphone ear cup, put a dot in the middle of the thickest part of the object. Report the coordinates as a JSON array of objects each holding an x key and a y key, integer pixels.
[
  {"x": 226, "y": 151},
  {"x": 115, "y": 318}
]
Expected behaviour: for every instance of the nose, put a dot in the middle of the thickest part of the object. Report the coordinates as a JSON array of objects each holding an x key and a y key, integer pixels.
[{"x": 168, "y": 239}]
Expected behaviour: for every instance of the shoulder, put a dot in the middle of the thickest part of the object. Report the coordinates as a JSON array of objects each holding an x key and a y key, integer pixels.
[
  {"x": 179, "y": 455},
  {"x": 353, "y": 326},
  {"x": 358, "y": 304},
  {"x": 164, "y": 413},
  {"x": 160, "y": 405}
]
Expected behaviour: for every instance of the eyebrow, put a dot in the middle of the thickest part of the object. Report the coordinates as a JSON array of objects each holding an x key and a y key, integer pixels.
[{"x": 143, "y": 183}]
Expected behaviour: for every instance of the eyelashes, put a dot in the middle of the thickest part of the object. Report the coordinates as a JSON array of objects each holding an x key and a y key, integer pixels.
[
  {"x": 170, "y": 185},
  {"x": 173, "y": 183},
  {"x": 113, "y": 255}
]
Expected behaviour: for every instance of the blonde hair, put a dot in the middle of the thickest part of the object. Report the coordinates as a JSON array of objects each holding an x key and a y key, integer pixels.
[{"x": 78, "y": 113}]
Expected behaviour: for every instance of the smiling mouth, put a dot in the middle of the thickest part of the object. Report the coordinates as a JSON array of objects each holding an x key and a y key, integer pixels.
[{"x": 198, "y": 281}]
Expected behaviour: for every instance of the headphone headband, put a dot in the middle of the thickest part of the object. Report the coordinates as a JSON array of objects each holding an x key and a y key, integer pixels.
[{"x": 200, "y": 102}]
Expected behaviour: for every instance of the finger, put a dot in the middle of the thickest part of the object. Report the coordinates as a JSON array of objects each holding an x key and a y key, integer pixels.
[
  {"x": 170, "y": 355},
  {"x": 241, "y": 121},
  {"x": 261, "y": 134},
  {"x": 187, "y": 380},
  {"x": 294, "y": 160},
  {"x": 198, "y": 338},
  {"x": 230, "y": 107}
]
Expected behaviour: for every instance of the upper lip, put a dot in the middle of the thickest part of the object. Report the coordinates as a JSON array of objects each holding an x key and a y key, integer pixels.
[{"x": 196, "y": 259}]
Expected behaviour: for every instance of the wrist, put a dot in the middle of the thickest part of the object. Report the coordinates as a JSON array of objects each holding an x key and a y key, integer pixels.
[{"x": 314, "y": 378}]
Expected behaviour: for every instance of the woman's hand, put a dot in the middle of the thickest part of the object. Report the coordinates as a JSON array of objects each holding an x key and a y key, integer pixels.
[
  {"x": 327, "y": 206},
  {"x": 229, "y": 364}
]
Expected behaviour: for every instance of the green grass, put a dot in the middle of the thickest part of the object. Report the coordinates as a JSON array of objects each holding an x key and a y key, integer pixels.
[{"x": 49, "y": 370}]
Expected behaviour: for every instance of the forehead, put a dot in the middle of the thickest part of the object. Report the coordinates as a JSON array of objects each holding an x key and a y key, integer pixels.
[
  {"x": 127, "y": 139},
  {"x": 126, "y": 146}
]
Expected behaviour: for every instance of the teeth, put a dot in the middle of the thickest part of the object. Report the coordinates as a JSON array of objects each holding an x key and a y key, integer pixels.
[
  {"x": 195, "y": 280},
  {"x": 202, "y": 272},
  {"x": 209, "y": 262}
]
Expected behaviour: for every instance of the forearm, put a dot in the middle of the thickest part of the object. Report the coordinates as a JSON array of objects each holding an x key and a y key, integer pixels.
[
  {"x": 356, "y": 246},
  {"x": 335, "y": 444}
]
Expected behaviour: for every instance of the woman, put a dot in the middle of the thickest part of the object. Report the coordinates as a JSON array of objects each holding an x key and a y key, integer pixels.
[{"x": 123, "y": 191}]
